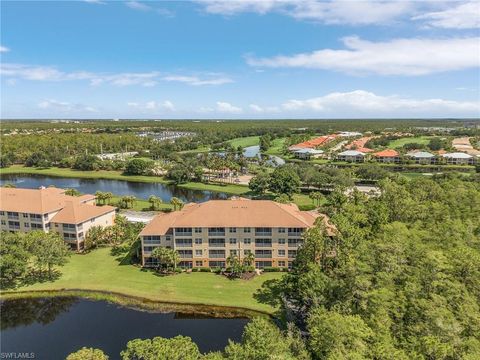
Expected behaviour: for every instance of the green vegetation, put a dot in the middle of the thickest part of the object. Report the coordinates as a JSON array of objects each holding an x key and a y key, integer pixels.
[
  {"x": 276, "y": 147},
  {"x": 261, "y": 340},
  {"x": 244, "y": 141},
  {"x": 398, "y": 143},
  {"x": 99, "y": 270}
]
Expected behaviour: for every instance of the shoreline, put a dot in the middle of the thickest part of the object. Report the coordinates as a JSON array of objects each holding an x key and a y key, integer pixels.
[
  {"x": 140, "y": 303},
  {"x": 233, "y": 189}
]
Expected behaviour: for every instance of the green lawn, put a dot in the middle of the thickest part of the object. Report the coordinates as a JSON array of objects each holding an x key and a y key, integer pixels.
[
  {"x": 277, "y": 147},
  {"x": 100, "y": 271},
  {"x": 71, "y": 173},
  {"x": 244, "y": 141},
  {"x": 395, "y": 144},
  {"x": 140, "y": 204}
]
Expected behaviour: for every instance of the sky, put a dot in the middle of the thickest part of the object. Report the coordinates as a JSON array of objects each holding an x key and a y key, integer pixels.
[{"x": 240, "y": 59}]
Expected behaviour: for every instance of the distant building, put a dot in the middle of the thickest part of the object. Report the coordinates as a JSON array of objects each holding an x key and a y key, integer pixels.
[
  {"x": 307, "y": 153},
  {"x": 459, "y": 158},
  {"x": 387, "y": 156},
  {"x": 206, "y": 234},
  {"x": 49, "y": 209},
  {"x": 352, "y": 156},
  {"x": 423, "y": 157},
  {"x": 313, "y": 143},
  {"x": 349, "y": 134}
]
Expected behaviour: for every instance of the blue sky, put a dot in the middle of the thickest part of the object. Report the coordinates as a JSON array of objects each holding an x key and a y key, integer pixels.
[{"x": 240, "y": 59}]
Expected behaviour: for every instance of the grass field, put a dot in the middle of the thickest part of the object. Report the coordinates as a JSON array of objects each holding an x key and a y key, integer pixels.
[
  {"x": 140, "y": 204},
  {"x": 277, "y": 147},
  {"x": 117, "y": 175},
  {"x": 395, "y": 144},
  {"x": 101, "y": 271},
  {"x": 245, "y": 141}
]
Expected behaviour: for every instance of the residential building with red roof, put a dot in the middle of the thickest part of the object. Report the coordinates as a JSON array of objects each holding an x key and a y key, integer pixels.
[
  {"x": 206, "y": 234},
  {"x": 387, "y": 156},
  {"x": 49, "y": 209}
]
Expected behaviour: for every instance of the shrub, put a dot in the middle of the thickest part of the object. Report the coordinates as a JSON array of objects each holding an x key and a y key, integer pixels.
[
  {"x": 250, "y": 268},
  {"x": 216, "y": 270},
  {"x": 272, "y": 269},
  {"x": 204, "y": 269},
  {"x": 306, "y": 207}
]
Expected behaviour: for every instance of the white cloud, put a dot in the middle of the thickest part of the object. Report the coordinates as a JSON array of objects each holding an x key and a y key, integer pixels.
[
  {"x": 393, "y": 57},
  {"x": 263, "y": 109},
  {"x": 196, "y": 81},
  {"x": 137, "y": 5},
  {"x": 4, "y": 49},
  {"x": 364, "y": 103},
  {"x": 255, "y": 107},
  {"x": 463, "y": 16},
  {"x": 225, "y": 107},
  {"x": 147, "y": 79},
  {"x": 329, "y": 12},
  {"x": 166, "y": 105},
  {"x": 98, "y": 2},
  {"x": 65, "y": 107}
]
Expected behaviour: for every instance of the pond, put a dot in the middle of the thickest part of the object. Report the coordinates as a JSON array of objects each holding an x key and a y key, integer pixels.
[
  {"x": 117, "y": 187},
  {"x": 254, "y": 151},
  {"x": 53, "y": 327}
]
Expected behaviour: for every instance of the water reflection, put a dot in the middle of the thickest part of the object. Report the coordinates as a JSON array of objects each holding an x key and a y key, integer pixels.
[
  {"x": 117, "y": 187},
  {"x": 53, "y": 327}
]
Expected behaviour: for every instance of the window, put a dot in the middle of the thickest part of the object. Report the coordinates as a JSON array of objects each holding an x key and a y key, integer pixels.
[
  {"x": 216, "y": 231},
  {"x": 198, "y": 241},
  {"x": 25, "y": 215},
  {"x": 281, "y": 263},
  {"x": 262, "y": 264},
  {"x": 198, "y": 252},
  {"x": 80, "y": 234},
  {"x": 183, "y": 231},
  {"x": 281, "y": 252},
  {"x": 263, "y": 231},
  {"x": 36, "y": 226},
  {"x": 294, "y": 242},
  {"x": 3, "y": 222},
  {"x": 2, "y": 212},
  {"x": 151, "y": 240},
  {"x": 292, "y": 253},
  {"x": 213, "y": 264},
  {"x": 233, "y": 230},
  {"x": 295, "y": 231},
  {"x": 247, "y": 241},
  {"x": 246, "y": 230},
  {"x": 233, "y": 252},
  {"x": 198, "y": 230},
  {"x": 183, "y": 242},
  {"x": 168, "y": 238},
  {"x": 27, "y": 224},
  {"x": 246, "y": 252},
  {"x": 185, "y": 254},
  {"x": 233, "y": 241},
  {"x": 148, "y": 249},
  {"x": 68, "y": 227},
  {"x": 263, "y": 253},
  {"x": 281, "y": 230},
  {"x": 281, "y": 241},
  {"x": 199, "y": 263}
]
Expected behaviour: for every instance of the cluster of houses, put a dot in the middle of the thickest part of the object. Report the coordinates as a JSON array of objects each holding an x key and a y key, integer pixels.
[{"x": 356, "y": 152}]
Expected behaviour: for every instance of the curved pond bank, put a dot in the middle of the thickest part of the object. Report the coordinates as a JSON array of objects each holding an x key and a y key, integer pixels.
[
  {"x": 118, "y": 187},
  {"x": 51, "y": 327}
]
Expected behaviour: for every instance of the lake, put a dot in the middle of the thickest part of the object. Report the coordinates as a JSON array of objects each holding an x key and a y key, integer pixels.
[
  {"x": 117, "y": 187},
  {"x": 53, "y": 327}
]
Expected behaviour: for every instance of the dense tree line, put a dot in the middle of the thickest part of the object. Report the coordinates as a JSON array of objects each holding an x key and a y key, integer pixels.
[{"x": 401, "y": 280}]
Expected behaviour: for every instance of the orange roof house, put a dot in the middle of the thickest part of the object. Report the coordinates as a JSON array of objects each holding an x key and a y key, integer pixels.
[{"x": 386, "y": 153}]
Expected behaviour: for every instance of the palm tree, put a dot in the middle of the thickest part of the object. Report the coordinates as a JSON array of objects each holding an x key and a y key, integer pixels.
[
  {"x": 100, "y": 195},
  {"x": 94, "y": 237},
  {"x": 166, "y": 257},
  {"x": 176, "y": 203},
  {"x": 72, "y": 192},
  {"x": 154, "y": 202},
  {"x": 108, "y": 197},
  {"x": 249, "y": 259},
  {"x": 316, "y": 197}
]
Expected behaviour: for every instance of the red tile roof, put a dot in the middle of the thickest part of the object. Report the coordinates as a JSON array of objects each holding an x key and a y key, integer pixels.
[{"x": 386, "y": 153}]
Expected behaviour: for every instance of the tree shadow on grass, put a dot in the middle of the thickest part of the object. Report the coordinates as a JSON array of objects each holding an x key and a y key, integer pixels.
[
  {"x": 270, "y": 292},
  {"x": 35, "y": 277},
  {"x": 122, "y": 256}
]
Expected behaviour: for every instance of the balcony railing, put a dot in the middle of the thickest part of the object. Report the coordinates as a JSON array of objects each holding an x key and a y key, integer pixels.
[
  {"x": 216, "y": 256},
  {"x": 186, "y": 256},
  {"x": 183, "y": 244},
  {"x": 215, "y": 244},
  {"x": 181, "y": 233},
  {"x": 263, "y": 244},
  {"x": 216, "y": 233},
  {"x": 263, "y": 256},
  {"x": 263, "y": 233},
  {"x": 13, "y": 217}
]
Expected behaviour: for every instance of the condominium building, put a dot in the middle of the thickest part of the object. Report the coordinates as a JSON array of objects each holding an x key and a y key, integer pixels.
[
  {"x": 206, "y": 234},
  {"x": 49, "y": 209}
]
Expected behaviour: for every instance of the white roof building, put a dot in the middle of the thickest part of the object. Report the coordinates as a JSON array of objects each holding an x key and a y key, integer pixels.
[
  {"x": 309, "y": 151},
  {"x": 421, "y": 155},
  {"x": 457, "y": 155},
  {"x": 351, "y": 153}
]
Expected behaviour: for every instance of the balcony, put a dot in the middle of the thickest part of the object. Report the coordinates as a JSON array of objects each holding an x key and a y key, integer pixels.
[
  {"x": 216, "y": 233},
  {"x": 182, "y": 233},
  {"x": 186, "y": 256},
  {"x": 13, "y": 217},
  {"x": 263, "y": 256},
  {"x": 262, "y": 244},
  {"x": 183, "y": 244},
  {"x": 216, "y": 244},
  {"x": 263, "y": 233}
]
